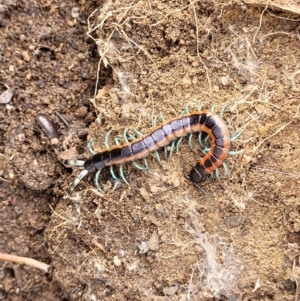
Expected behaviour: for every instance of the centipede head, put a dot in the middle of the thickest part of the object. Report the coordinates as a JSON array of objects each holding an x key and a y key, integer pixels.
[{"x": 188, "y": 176}]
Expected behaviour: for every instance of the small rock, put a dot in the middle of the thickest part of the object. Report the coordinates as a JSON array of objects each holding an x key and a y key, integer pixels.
[
  {"x": 143, "y": 247},
  {"x": 117, "y": 261},
  {"x": 234, "y": 220},
  {"x": 144, "y": 194},
  {"x": 170, "y": 290},
  {"x": 6, "y": 96},
  {"x": 153, "y": 242}
]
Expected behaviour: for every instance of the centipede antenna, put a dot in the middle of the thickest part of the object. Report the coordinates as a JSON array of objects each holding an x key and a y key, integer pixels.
[
  {"x": 138, "y": 166},
  {"x": 117, "y": 140},
  {"x": 111, "y": 170},
  {"x": 90, "y": 146},
  {"x": 106, "y": 141},
  {"x": 199, "y": 106},
  {"x": 226, "y": 169},
  {"x": 138, "y": 132},
  {"x": 223, "y": 110},
  {"x": 77, "y": 163},
  {"x": 236, "y": 136},
  {"x": 81, "y": 175},
  {"x": 178, "y": 144},
  {"x": 236, "y": 152},
  {"x": 157, "y": 157},
  {"x": 122, "y": 174},
  {"x": 212, "y": 109},
  {"x": 190, "y": 141},
  {"x": 97, "y": 181}
]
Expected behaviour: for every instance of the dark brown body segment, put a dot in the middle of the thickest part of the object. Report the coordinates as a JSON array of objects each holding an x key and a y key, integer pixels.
[{"x": 162, "y": 135}]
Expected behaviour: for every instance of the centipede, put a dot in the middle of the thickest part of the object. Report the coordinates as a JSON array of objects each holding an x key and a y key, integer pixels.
[{"x": 169, "y": 132}]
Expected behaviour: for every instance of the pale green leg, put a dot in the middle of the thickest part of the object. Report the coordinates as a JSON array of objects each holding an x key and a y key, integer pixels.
[
  {"x": 157, "y": 157},
  {"x": 222, "y": 111},
  {"x": 200, "y": 139},
  {"x": 111, "y": 170},
  {"x": 97, "y": 182},
  {"x": 236, "y": 136},
  {"x": 172, "y": 147},
  {"x": 122, "y": 174},
  {"x": 90, "y": 147},
  {"x": 106, "y": 141},
  {"x": 162, "y": 117},
  {"x": 178, "y": 144},
  {"x": 190, "y": 141},
  {"x": 140, "y": 167},
  {"x": 236, "y": 152},
  {"x": 199, "y": 106},
  {"x": 226, "y": 169}
]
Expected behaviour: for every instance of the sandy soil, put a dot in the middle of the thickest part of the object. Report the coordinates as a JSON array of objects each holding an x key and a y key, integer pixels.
[{"x": 157, "y": 237}]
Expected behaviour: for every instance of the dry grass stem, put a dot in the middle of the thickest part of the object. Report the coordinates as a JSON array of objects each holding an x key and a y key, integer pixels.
[{"x": 27, "y": 261}]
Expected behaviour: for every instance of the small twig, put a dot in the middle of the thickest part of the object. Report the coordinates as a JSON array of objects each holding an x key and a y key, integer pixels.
[
  {"x": 25, "y": 260},
  {"x": 260, "y": 21},
  {"x": 278, "y": 130},
  {"x": 66, "y": 123}
]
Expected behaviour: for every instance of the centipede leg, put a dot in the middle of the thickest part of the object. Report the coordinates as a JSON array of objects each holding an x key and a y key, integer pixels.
[
  {"x": 199, "y": 106},
  {"x": 200, "y": 139},
  {"x": 157, "y": 157},
  {"x": 117, "y": 141},
  {"x": 138, "y": 132},
  {"x": 106, "y": 141},
  {"x": 213, "y": 108},
  {"x": 138, "y": 166},
  {"x": 223, "y": 110},
  {"x": 111, "y": 170},
  {"x": 81, "y": 175},
  {"x": 122, "y": 174},
  {"x": 97, "y": 181},
  {"x": 154, "y": 121},
  {"x": 236, "y": 152},
  {"x": 185, "y": 111},
  {"x": 162, "y": 117},
  {"x": 190, "y": 141},
  {"x": 217, "y": 174},
  {"x": 90, "y": 146},
  {"x": 231, "y": 120},
  {"x": 172, "y": 147},
  {"x": 234, "y": 137},
  {"x": 178, "y": 144},
  {"x": 77, "y": 163},
  {"x": 226, "y": 169}
]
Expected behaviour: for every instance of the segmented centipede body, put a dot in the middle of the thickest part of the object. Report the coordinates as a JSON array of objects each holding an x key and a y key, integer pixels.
[{"x": 161, "y": 136}]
